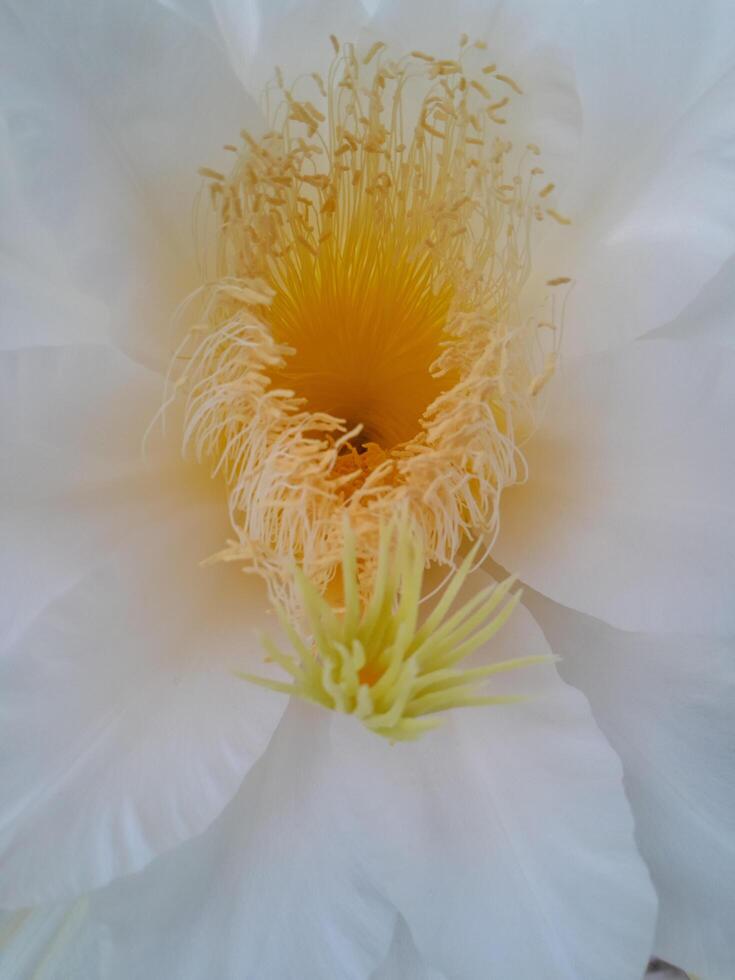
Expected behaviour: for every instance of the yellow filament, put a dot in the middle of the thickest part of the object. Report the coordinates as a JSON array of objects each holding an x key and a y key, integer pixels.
[{"x": 366, "y": 326}]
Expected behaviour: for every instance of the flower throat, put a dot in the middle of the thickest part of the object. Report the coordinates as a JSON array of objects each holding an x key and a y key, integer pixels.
[{"x": 361, "y": 348}]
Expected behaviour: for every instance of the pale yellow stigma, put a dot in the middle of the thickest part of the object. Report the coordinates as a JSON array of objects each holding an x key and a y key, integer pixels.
[{"x": 374, "y": 659}]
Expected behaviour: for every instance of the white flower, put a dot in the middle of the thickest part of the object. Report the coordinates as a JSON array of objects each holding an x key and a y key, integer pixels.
[{"x": 169, "y": 820}]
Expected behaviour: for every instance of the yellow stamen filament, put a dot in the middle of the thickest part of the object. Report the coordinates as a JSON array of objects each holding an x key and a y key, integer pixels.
[
  {"x": 363, "y": 345},
  {"x": 376, "y": 661}
]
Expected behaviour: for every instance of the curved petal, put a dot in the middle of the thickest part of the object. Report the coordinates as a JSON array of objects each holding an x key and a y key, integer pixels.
[
  {"x": 291, "y": 34},
  {"x": 403, "y": 961},
  {"x": 667, "y": 704},
  {"x": 123, "y": 729},
  {"x": 504, "y": 838},
  {"x": 652, "y": 196},
  {"x": 663, "y": 58},
  {"x": 274, "y": 888},
  {"x": 110, "y": 110},
  {"x": 628, "y": 509},
  {"x": 72, "y": 421},
  {"x": 39, "y": 305},
  {"x": 711, "y": 316},
  {"x": 32, "y": 942},
  {"x": 409, "y": 24}
]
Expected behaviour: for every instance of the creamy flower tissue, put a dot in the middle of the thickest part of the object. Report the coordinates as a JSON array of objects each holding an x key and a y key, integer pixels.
[{"x": 367, "y": 398}]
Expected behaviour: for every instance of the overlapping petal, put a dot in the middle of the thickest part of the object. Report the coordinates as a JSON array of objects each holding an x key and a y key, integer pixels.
[
  {"x": 504, "y": 840},
  {"x": 640, "y": 69},
  {"x": 628, "y": 511},
  {"x": 124, "y": 730},
  {"x": 108, "y": 111},
  {"x": 526, "y": 865},
  {"x": 709, "y": 318},
  {"x": 277, "y": 887},
  {"x": 403, "y": 961},
  {"x": 665, "y": 703},
  {"x": 293, "y": 34},
  {"x": 39, "y": 305},
  {"x": 652, "y": 195}
]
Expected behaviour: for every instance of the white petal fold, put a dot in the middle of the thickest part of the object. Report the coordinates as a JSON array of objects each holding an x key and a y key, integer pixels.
[
  {"x": 39, "y": 305},
  {"x": 404, "y": 961},
  {"x": 503, "y": 839},
  {"x": 124, "y": 730},
  {"x": 290, "y": 34},
  {"x": 107, "y": 110},
  {"x": 663, "y": 233},
  {"x": 710, "y": 318},
  {"x": 664, "y": 59},
  {"x": 667, "y": 704},
  {"x": 410, "y": 25},
  {"x": 653, "y": 195},
  {"x": 629, "y": 511},
  {"x": 277, "y": 887}
]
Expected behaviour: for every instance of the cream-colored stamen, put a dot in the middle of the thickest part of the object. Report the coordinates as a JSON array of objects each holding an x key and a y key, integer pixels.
[{"x": 364, "y": 346}]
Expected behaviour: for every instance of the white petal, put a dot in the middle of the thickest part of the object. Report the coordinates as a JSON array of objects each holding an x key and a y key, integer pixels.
[
  {"x": 431, "y": 26},
  {"x": 276, "y": 888},
  {"x": 653, "y": 199},
  {"x": 667, "y": 704},
  {"x": 504, "y": 838},
  {"x": 200, "y": 13},
  {"x": 663, "y": 58},
  {"x": 110, "y": 110},
  {"x": 73, "y": 480},
  {"x": 290, "y": 34},
  {"x": 39, "y": 305},
  {"x": 34, "y": 942},
  {"x": 711, "y": 316},
  {"x": 403, "y": 961},
  {"x": 124, "y": 731},
  {"x": 628, "y": 509}
]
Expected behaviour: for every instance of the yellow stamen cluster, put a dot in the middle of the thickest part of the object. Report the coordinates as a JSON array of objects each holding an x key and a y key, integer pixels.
[
  {"x": 362, "y": 347},
  {"x": 374, "y": 660}
]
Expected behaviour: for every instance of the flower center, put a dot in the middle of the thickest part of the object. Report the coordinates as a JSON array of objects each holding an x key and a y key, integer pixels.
[
  {"x": 363, "y": 348},
  {"x": 365, "y": 327}
]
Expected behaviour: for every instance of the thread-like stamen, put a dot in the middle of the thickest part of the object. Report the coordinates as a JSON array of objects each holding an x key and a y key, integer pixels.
[{"x": 363, "y": 347}]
